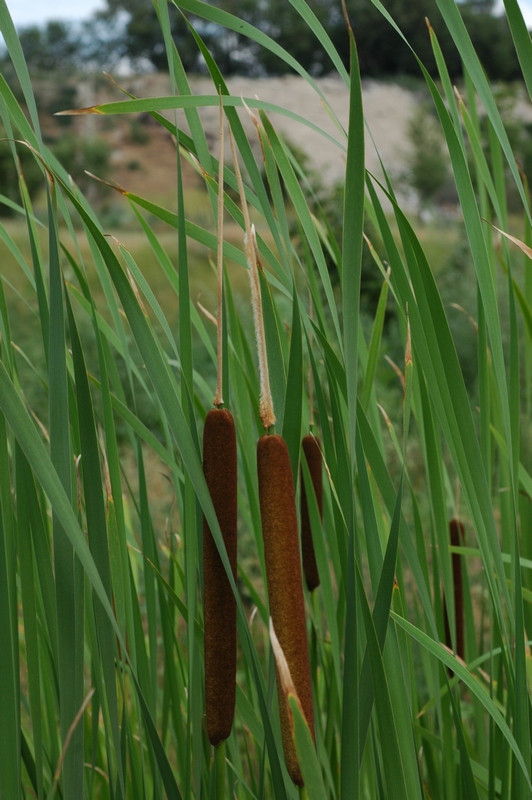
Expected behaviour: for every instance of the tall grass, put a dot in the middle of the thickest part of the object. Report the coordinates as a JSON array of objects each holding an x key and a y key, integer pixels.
[{"x": 101, "y": 612}]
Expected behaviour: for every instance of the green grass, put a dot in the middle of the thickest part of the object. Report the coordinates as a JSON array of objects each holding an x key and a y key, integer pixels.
[{"x": 108, "y": 368}]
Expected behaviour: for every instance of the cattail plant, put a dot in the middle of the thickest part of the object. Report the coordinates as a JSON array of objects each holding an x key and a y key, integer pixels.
[
  {"x": 220, "y": 469},
  {"x": 312, "y": 453},
  {"x": 279, "y": 527},
  {"x": 456, "y": 535}
]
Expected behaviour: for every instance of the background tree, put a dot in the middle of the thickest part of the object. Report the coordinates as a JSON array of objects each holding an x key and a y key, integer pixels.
[
  {"x": 491, "y": 39},
  {"x": 283, "y": 23},
  {"x": 9, "y": 176},
  {"x": 381, "y": 50},
  {"x": 139, "y": 36},
  {"x": 54, "y": 47}
]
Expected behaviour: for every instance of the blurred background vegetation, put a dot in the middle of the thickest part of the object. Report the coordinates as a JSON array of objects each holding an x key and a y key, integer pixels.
[{"x": 128, "y": 29}]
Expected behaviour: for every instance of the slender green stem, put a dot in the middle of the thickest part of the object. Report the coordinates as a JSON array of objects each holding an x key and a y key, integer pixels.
[
  {"x": 219, "y": 758},
  {"x": 218, "y": 397},
  {"x": 303, "y": 794}
]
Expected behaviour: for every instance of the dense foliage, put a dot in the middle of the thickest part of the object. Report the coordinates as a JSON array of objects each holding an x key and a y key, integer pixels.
[{"x": 399, "y": 667}]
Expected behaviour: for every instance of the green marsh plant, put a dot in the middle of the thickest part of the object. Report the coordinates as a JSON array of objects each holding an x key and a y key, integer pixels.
[{"x": 102, "y": 614}]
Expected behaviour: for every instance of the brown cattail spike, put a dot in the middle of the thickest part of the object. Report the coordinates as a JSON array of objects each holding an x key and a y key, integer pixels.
[
  {"x": 285, "y": 586},
  {"x": 456, "y": 535},
  {"x": 312, "y": 452},
  {"x": 220, "y": 469}
]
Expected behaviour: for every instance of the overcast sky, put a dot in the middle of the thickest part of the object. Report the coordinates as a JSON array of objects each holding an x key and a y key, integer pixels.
[{"x": 26, "y": 12}]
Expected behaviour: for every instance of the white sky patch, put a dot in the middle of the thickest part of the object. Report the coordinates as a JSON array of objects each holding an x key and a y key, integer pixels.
[
  {"x": 35, "y": 12},
  {"x": 526, "y": 8}
]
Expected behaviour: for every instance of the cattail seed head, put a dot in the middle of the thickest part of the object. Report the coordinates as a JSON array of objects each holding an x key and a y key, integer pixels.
[
  {"x": 285, "y": 587},
  {"x": 312, "y": 453},
  {"x": 220, "y": 469}
]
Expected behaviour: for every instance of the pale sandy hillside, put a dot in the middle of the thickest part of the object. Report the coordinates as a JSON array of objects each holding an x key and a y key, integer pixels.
[{"x": 387, "y": 109}]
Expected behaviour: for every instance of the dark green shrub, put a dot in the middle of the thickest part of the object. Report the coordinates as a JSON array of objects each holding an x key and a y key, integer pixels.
[
  {"x": 138, "y": 133},
  {"x": 79, "y": 155},
  {"x": 428, "y": 162}
]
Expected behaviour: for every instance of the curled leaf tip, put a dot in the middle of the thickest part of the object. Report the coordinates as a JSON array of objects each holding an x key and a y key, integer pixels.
[
  {"x": 207, "y": 313},
  {"x": 282, "y": 665},
  {"x": 111, "y": 184},
  {"x": 396, "y": 369},
  {"x": 77, "y": 111},
  {"x": 408, "y": 348},
  {"x": 521, "y": 245},
  {"x": 345, "y": 15},
  {"x": 252, "y": 116}
]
